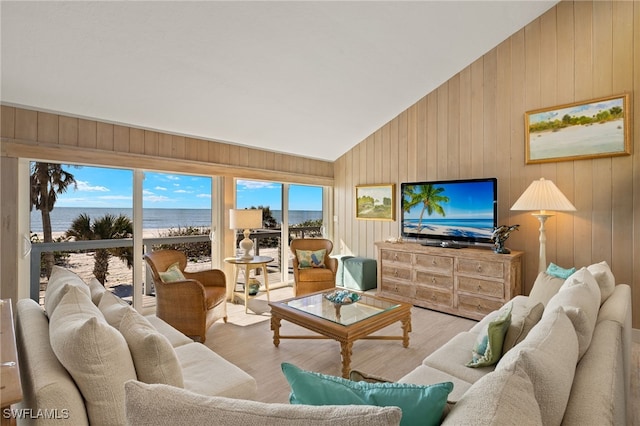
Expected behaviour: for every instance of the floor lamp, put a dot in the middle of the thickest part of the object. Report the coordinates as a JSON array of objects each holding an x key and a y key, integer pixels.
[{"x": 542, "y": 195}]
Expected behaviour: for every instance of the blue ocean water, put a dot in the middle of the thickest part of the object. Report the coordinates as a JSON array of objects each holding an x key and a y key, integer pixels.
[{"x": 61, "y": 217}]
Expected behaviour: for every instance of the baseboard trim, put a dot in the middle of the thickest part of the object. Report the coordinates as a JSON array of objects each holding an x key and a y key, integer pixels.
[{"x": 635, "y": 335}]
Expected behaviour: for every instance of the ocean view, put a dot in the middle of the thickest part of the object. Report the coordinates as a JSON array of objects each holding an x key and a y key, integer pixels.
[{"x": 61, "y": 217}]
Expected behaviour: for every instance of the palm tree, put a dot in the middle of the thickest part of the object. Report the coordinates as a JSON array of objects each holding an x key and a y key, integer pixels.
[
  {"x": 108, "y": 227},
  {"x": 429, "y": 196},
  {"x": 48, "y": 180}
]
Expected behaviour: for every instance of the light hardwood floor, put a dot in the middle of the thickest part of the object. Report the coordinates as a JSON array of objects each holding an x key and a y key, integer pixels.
[{"x": 251, "y": 348}]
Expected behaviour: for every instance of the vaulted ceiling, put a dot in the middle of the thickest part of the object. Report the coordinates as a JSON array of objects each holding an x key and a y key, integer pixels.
[{"x": 311, "y": 78}]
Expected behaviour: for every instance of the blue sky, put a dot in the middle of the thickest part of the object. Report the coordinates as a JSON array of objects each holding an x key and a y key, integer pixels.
[{"x": 104, "y": 187}]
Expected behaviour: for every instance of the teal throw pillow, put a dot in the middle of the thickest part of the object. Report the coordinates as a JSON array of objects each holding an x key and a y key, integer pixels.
[
  {"x": 488, "y": 347},
  {"x": 310, "y": 259},
  {"x": 173, "y": 273},
  {"x": 421, "y": 405},
  {"x": 559, "y": 272}
]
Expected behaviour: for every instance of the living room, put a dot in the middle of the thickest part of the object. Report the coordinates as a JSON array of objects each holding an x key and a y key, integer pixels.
[{"x": 471, "y": 126}]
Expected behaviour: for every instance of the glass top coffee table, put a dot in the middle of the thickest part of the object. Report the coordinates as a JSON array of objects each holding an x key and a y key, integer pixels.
[{"x": 344, "y": 323}]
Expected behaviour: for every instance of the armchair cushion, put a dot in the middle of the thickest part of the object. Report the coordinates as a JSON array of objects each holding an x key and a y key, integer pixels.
[
  {"x": 173, "y": 273},
  {"x": 311, "y": 258},
  {"x": 316, "y": 274}
]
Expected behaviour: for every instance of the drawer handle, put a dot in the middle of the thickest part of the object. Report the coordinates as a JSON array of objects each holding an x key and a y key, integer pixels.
[
  {"x": 395, "y": 256},
  {"x": 433, "y": 297},
  {"x": 395, "y": 273},
  {"x": 433, "y": 261},
  {"x": 479, "y": 287},
  {"x": 478, "y": 308}
]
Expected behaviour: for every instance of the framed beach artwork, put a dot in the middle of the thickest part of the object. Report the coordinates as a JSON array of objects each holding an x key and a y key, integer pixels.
[
  {"x": 376, "y": 202},
  {"x": 577, "y": 131}
]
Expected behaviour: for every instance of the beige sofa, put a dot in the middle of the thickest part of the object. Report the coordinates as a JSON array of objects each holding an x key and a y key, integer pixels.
[
  {"x": 77, "y": 353},
  {"x": 569, "y": 363}
]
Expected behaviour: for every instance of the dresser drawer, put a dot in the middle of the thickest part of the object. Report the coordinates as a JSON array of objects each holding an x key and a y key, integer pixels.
[
  {"x": 395, "y": 272},
  {"x": 396, "y": 256},
  {"x": 434, "y": 280},
  {"x": 434, "y": 296},
  {"x": 396, "y": 288},
  {"x": 481, "y": 267},
  {"x": 477, "y": 306},
  {"x": 481, "y": 287},
  {"x": 438, "y": 264}
]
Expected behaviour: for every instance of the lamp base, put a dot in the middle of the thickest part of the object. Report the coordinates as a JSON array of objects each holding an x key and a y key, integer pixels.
[{"x": 246, "y": 245}]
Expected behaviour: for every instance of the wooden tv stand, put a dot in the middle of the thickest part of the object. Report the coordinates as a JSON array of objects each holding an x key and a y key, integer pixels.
[{"x": 469, "y": 282}]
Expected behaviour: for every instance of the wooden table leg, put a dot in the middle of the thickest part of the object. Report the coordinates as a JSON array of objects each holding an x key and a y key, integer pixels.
[
  {"x": 406, "y": 328},
  {"x": 275, "y": 326},
  {"x": 346, "y": 351}
]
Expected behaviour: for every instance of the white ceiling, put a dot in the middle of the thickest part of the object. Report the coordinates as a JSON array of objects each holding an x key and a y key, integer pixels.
[{"x": 312, "y": 78}]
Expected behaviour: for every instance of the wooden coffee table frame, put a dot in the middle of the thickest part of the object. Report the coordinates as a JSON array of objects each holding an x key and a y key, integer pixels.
[{"x": 344, "y": 334}]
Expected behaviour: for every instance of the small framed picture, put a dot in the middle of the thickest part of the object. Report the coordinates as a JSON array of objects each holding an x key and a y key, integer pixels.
[
  {"x": 580, "y": 130},
  {"x": 376, "y": 202}
]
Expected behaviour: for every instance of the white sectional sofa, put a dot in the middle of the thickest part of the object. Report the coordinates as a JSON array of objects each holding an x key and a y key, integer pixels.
[{"x": 76, "y": 354}]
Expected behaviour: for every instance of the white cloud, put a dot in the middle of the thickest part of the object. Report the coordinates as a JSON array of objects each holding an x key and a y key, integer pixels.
[
  {"x": 203, "y": 196},
  {"x": 252, "y": 184},
  {"x": 85, "y": 186},
  {"x": 160, "y": 188},
  {"x": 157, "y": 198}
]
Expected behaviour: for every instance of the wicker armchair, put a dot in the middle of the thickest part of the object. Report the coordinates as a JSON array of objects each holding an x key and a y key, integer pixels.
[
  {"x": 309, "y": 280},
  {"x": 190, "y": 306}
]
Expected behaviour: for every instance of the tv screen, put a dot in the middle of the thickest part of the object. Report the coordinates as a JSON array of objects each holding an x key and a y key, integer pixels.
[{"x": 462, "y": 211}]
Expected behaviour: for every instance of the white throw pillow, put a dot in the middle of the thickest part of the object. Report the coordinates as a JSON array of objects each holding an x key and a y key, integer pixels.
[
  {"x": 95, "y": 355},
  {"x": 152, "y": 353},
  {"x": 113, "y": 308},
  {"x": 548, "y": 355},
  {"x": 523, "y": 319},
  {"x": 159, "y": 405},
  {"x": 59, "y": 282},
  {"x": 605, "y": 279},
  {"x": 544, "y": 288},
  {"x": 97, "y": 290},
  {"x": 579, "y": 296}
]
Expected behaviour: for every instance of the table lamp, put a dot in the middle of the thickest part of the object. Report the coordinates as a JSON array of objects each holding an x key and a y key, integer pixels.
[
  {"x": 544, "y": 196},
  {"x": 246, "y": 219}
]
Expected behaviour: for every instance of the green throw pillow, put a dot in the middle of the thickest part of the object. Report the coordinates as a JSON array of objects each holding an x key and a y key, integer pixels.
[
  {"x": 559, "y": 272},
  {"x": 421, "y": 405},
  {"x": 173, "y": 273},
  {"x": 310, "y": 259},
  {"x": 488, "y": 347}
]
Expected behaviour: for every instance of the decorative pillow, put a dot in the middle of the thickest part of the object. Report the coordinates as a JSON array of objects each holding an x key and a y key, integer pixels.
[
  {"x": 549, "y": 356},
  {"x": 556, "y": 271},
  {"x": 310, "y": 259},
  {"x": 153, "y": 356},
  {"x": 523, "y": 318},
  {"x": 488, "y": 347},
  {"x": 498, "y": 398},
  {"x": 97, "y": 290},
  {"x": 95, "y": 355},
  {"x": 162, "y": 405},
  {"x": 59, "y": 282},
  {"x": 173, "y": 273},
  {"x": 420, "y": 404},
  {"x": 605, "y": 279},
  {"x": 579, "y": 296},
  {"x": 113, "y": 308},
  {"x": 544, "y": 288}
]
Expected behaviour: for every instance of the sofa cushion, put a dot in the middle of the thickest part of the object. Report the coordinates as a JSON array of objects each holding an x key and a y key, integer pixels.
[
  {"x": 499, "y": 398},
  {"x": 59, "y": 282},
  {"x": 544, "y": 288},
  {"x": 425, "y": 375},
  {"x": 605, "y": 279},
  {"x": 310, "y": 258},
  {"x": 579, "y": 297},
  {"x": 451, "y": 358},
  {"x": 113, "y": 308},
  {"x": 95, "y": 355},
  {"x": 45, "y": 382},
  {"x": 173, "y": 273},
  {"x": 487, "y": 349},
  {"x": 420, "y": 404},
  {"x": 153, "y": 356},
  {"x": 548, "y": 355},
  {"x": 159, "y": 405},
  {"x": 207, "y": 373},
  {"x": 96, "y": 289},
  {"x": 523, "y": 318}
]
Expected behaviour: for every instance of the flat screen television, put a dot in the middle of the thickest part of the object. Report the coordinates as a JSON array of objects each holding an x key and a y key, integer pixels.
[{"x": 448, "y": 212}]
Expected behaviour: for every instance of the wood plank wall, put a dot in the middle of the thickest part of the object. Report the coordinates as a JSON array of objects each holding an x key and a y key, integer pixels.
[{"x": 472, "y": 126}]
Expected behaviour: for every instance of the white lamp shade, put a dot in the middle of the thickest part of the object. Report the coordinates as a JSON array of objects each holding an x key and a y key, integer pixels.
[
  {"x": 245, "y": 219},
  {"x": 543, "y": 195}
]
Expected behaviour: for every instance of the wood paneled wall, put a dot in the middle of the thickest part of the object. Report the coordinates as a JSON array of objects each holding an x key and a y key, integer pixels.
[{"x": 472, "y": 126}]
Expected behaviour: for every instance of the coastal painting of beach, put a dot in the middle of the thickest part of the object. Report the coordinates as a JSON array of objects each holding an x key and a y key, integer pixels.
[{"x": 595, "y": 128}]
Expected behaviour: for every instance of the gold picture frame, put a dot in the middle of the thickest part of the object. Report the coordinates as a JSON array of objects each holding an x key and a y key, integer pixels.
[
  {"x": 376, "y": 202},
  {"x": 580, "y": 130}
]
